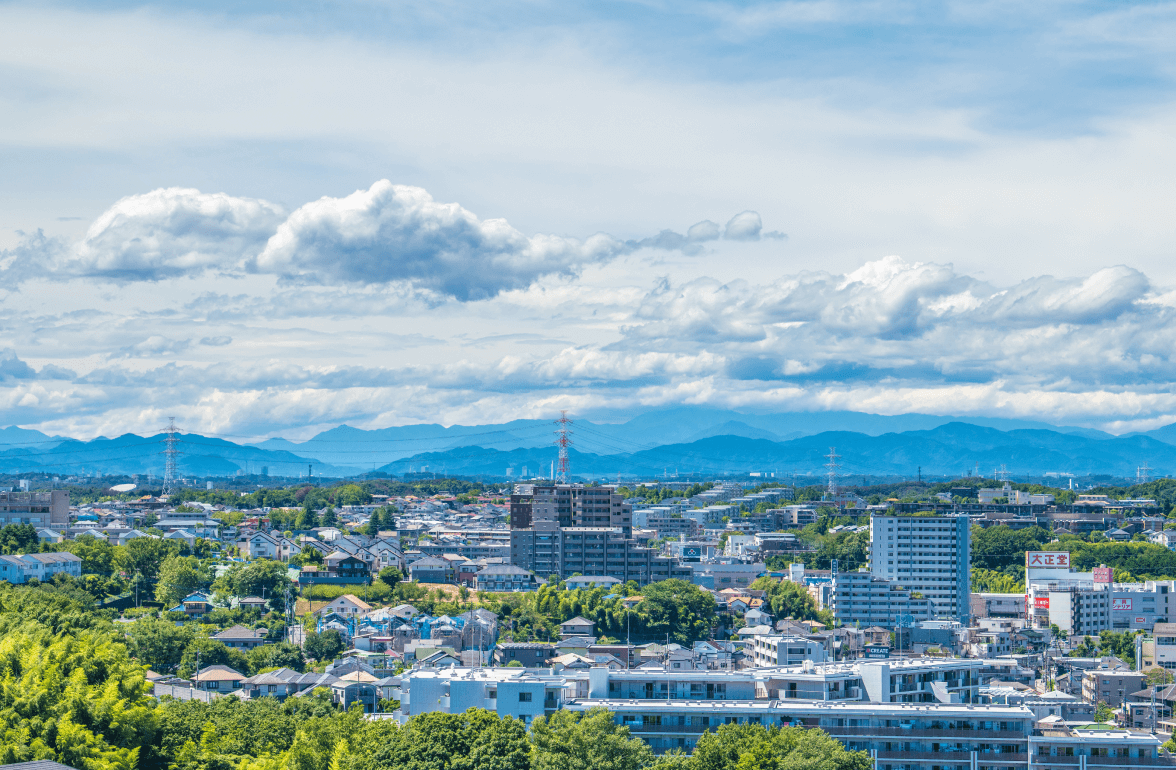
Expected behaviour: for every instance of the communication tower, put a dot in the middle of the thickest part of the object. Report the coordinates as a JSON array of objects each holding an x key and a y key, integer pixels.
[
  {"x": 563, "y": 440},
  {"x": 831, "y": 470},
  {"x": 170, "y": 451}
]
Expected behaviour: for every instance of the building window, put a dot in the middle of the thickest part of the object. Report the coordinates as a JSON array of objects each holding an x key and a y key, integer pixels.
[{"x": 524, "y": 697}]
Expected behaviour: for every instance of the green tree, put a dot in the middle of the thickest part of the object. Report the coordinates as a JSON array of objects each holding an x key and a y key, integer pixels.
[
  {"x": 306, "y": 518},
  {"x": 1103, "y": 713},
  {"x": 475, "y": 740},
  {"x": 281, "y": 655},
  {"x": 786, "y": 599},
  {"x": 390, "y": 576},
  {"x": 257, "y": 578},
  {"x": 145, "y": 555},
  {"x": 324, "y": 646},
  {"x": 70, "y": 691},
  {"x": 210, "y": 652},
  {"x": 158, "y": 644},
  {"x": 179, "y": 576},
  {"x": 592, "y": 740},
  {"x": 996, "y": 548},
  {"x": 679, "y": 608},
  {"x": 754, "y": 747}
]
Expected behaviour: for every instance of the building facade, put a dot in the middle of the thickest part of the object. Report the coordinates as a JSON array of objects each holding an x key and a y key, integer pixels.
[{"x": 929, "y": 555}]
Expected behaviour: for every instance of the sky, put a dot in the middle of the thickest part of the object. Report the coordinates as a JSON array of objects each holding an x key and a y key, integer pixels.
[{"x": 268, "y": 219}]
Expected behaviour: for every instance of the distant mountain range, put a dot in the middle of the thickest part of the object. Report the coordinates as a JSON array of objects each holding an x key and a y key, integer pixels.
[
  {"x": 684, "y": 439},
  {"x": 954, "y": 449}
]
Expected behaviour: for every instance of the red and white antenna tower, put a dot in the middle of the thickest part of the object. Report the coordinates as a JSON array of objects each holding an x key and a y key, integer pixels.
[{"x": 563, "y": 440}]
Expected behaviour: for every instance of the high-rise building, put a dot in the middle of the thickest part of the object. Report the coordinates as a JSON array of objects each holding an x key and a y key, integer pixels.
[
  {"x": 927, "y": 555},
  {"x": 37, "y": 508},
  {"x": 574, "y": 505}
]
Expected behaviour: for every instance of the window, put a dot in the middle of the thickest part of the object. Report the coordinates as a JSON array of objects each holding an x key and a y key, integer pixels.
[{"x": 524, "y": 697}]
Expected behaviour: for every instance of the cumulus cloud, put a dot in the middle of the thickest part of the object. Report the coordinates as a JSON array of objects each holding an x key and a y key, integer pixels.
[
  {"x": 392, "y": 233},
  {"x": 894, "y": 319},
  {"x": 216, "y": 341},
  {"x": 173, "y": 232},
  {"x": 386, "y": 235}
]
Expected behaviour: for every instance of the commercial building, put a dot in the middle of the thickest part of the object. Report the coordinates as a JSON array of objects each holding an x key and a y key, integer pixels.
[
  {"x": 549, "y": 549},
  {"x": 928, "y": 555}
]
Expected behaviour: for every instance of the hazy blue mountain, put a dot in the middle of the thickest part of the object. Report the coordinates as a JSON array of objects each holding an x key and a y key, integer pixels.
[
  {"x": 349, "y": 447},
  {"x": 128, "y": 454},
  {"x": 953, "y": 449},
  {"x": 1167, "y": 434},
  {"x": 12, "y": 435}
]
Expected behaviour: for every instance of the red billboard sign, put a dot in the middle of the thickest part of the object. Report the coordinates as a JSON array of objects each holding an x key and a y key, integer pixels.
[
  {"x": 1042, "y": 602},
  {"x": 1103, "y": 575}
]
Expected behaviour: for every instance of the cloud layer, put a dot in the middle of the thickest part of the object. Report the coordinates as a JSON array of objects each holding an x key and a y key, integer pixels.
[{"x": 387, "y": 234}]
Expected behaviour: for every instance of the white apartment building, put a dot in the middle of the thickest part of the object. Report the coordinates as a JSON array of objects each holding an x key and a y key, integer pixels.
[
  {"x": 927, "y": 555},
  {"x": 770, "y": 650},
  {"x": 42, "y": 566}
]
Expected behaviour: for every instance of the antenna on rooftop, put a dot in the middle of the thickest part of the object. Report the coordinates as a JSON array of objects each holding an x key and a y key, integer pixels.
[
  {"x": 170, "y": 452},
  {"x": 563, "y": 440}
]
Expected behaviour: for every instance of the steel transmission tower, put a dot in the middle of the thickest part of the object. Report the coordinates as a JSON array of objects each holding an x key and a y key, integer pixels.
[
  {"x": 170, "y": 451},
  {"x": 563, "y": 440},
  {"x": 1143, "y": 473},
  {"x": 832, "y": 468}
]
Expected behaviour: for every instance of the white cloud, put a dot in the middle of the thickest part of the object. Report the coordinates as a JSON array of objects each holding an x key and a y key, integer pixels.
[
  {"x": 171, "y": 233},
  {"x": 391, "y": 233}
]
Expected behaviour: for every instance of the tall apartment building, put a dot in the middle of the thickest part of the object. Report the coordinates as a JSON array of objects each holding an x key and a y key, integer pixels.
[
  {"x": 40, "y": 509},
  {"x": 928, "y": 555},
  {"x": 574, "y": 505}
]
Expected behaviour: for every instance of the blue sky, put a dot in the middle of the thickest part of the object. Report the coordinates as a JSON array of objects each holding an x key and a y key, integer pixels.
[{"x": 273, "y": 218}]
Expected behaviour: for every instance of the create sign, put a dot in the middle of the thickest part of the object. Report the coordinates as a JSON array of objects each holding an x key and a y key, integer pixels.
[{"x": 1047, "y": 559}]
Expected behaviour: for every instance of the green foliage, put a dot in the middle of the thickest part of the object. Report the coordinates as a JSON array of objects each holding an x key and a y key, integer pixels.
[
  {"x": 19, "y": 538},
  {"x": 995, "y": 548},
  {"x": 754, "y": 747},
  {"x": 179, "y": 576},
  {"x": 210, "y": 652},
  {"x": 475, "y": 740},
  {"x": 145, "y": 555},
  {"x": 390, "y": 576},
  {"x": 254, "y": 578},
  {"x": 592, "y": 740},
  {"x": 992, "y": 582},
  {"x": 1159, "y": 676},
  {"x": 1103, "y": 713},
  {"x": 786, "y": 599},
  {"x": 158, "y": 644},
  {"x": 325, "y": 646},
  {"x": 280, "y": 655},
  {"x": 1144, "y": 560},
  {"x": 68, "y": 690}
]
